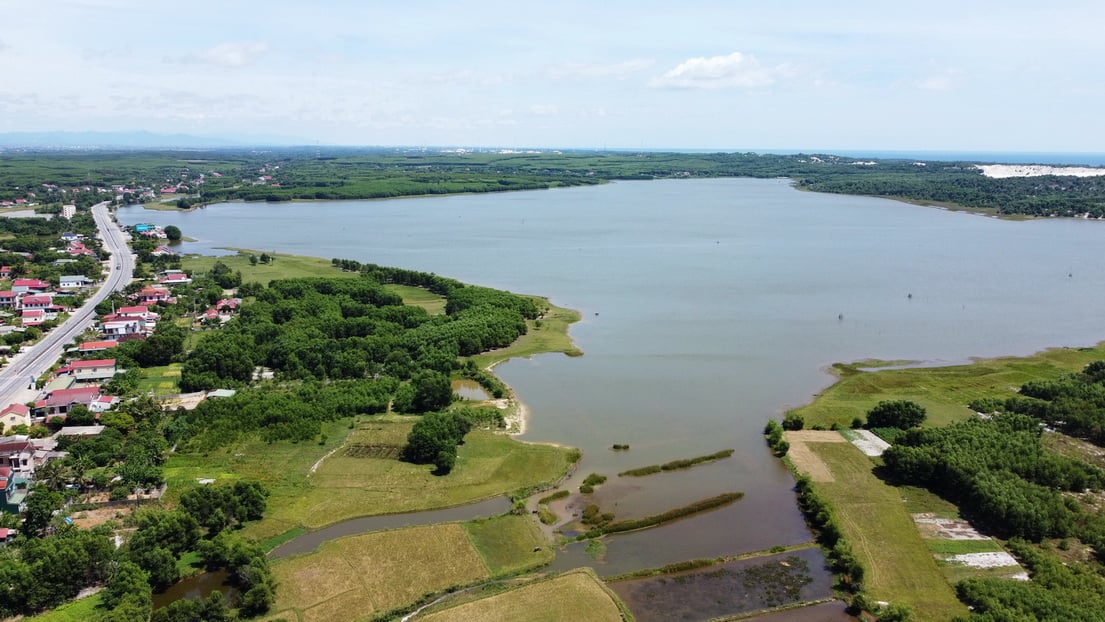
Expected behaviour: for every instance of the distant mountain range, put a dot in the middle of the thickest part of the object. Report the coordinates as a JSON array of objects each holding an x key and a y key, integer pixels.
[{"x": 135, "y": 140}]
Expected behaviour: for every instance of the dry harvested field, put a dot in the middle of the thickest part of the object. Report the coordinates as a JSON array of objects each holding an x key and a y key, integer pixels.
[
  {"x": 899, "y": 566},
  {"x": 803, "y": 457},
  {"x": 360, "y": 576},
  {"x": 577, "y": 596}
]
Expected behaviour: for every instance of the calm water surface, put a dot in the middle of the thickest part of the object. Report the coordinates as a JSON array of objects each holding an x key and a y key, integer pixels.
[{"x": 708, "y": 307}]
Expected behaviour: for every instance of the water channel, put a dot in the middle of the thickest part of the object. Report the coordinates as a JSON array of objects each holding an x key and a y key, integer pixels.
[{"x": 708, "y": 306}]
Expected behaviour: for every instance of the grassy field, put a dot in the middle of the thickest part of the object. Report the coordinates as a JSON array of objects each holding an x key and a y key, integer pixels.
[
  {"x": 418, "y": 297},
  {"x": 943, "y": 391},
  {"x": 356, "y": 577},
  {"x": 899, "y": 566},
  {"x": 346, "y": 487},
  {"x": 576, "y": 596},
  {"x": 548, "y": 334},
  {"x": 160, "y": 381},
  {"x": 72, "y": 611},
  {"x": 282, "y": 266},
  {"x": 509, "y": 544}
]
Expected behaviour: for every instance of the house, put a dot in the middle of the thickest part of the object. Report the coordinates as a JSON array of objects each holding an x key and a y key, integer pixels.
[
  {"x": 228, "y": 305},
  {"x": 92, "y": 371},
  {"x": 162, "y": 251},
  {"x": 36, "y": 301},
  {"x": 176, "y": 278},
  {"x": 22, "y": 286},
  {"x": 103, "y": 403},
  {"x": 79, "y": 430},
  {"x": 59, "y": 402},
  {"x": 151, "y": 294},
  {"x": 17, "y": 455},
  {"x": 120, "y": 329},
  {"x": 33, "y": 317},
  {"x": 68, "y": 211},
  {"x": 96, "y": 346},
  {"x": 13, "y": 415},
  {"x": 74, "y": 281},
  {"x": 143, "y": 227},
  {"x": 78, "y": 248},
  {"x": 8, "y": 299},
  {"x": 137, "y": 311},
  {"x": 5, "y": 272},
  {"x": 69, "y": 236}
]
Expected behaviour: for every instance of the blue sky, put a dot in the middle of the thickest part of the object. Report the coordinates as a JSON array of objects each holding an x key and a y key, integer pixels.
[{"x": 1009, "y": 76}]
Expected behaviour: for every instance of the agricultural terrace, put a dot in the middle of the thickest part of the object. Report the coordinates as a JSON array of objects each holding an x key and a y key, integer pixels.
[
  {"x": 364, "y": 576},
  {"x": 576, "y": 596}
]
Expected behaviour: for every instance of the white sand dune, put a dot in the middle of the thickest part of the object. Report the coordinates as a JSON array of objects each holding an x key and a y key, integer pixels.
[{"x": 1000, "y": 171}]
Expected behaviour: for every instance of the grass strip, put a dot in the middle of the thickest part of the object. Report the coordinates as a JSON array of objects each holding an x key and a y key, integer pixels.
[
  {"x": 675, "y": 465},
  {"x": 560, "y": 494},
  {"x": 634, "y": 524}
]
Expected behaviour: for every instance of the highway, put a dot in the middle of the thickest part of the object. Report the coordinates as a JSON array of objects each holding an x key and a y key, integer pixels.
[{"x": 17, "y": 378}]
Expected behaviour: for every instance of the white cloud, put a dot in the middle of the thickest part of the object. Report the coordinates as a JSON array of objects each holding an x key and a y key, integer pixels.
[
  {"x": 620, "y": 70},
  {"x": 544, "y": 110},
  {"x": 229, "y": 54},
  {"x": 734, "y": 70},
  {"x": 234, "y": 54},
  {"x": 943, "y": 81}
]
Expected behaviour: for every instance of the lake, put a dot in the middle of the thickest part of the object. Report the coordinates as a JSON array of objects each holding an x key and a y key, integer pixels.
[{"x": 708, "y": 307}]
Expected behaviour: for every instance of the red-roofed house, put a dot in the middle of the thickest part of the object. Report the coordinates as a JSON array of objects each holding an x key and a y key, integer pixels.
[
  {"x": 17, "y": 456},
  {"x": 162, "y": 251},
  {"x": 59, "y": 402},
  {"x": 91, "y": 371},
  {"x": 33, "y": 317},
  {"x": 103, "y": 403},
  {"x": 150, "y": 294},
  {"x": 139, "y": 311},
  {"x": 176, "y": 278},
  {"x": 5, "y": 272},
  {"x": 36, "y": 301},
  {"x": 8, "y": 299},
  {"x": 22, "y": 286},
  {"x": 13, "y": 415},
  {"x": 228, "y": 305},
  {"x": 96, "y": 346}
]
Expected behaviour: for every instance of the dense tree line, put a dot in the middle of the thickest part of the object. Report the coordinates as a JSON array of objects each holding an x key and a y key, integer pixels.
[
  {"x": 998, "y": 471},
  {"x": 366, "y": 347},
  {"x": 1074, "y": 403},
  {"x": 380, "y": 173},
  {"x": 47, "y": 571},
  {"x": 1059, "y": 591}
]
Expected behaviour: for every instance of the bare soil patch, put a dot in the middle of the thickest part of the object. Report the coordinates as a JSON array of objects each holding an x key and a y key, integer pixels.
[
  {"x": 946, "y": 528},
  {"x": 804, "y": 459}
]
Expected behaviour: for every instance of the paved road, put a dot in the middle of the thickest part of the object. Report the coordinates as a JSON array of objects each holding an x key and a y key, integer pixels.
[{"x": 32, "y": 362}]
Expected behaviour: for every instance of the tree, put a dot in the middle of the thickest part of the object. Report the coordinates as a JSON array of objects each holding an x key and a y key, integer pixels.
[
  {"x": 434, "y": 439},
  {"x": 128, "y": 579},
  {"x": 173, "y": 233},
  {"x": 432, "y": 391},
  {"x": 793, "y": 421},
  {"x": 41, "y": 505},
  {"x": 902, "y": 414}
]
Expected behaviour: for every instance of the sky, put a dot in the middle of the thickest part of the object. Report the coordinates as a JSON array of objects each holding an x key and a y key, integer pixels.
[{"x": 728, "y": 75}]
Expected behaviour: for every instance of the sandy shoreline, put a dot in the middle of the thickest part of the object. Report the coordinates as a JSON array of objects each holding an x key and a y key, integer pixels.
[{"x": 1003, "y": 171}]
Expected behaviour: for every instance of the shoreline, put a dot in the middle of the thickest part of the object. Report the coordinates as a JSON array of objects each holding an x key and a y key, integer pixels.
[{"x": 943, "y": 205}]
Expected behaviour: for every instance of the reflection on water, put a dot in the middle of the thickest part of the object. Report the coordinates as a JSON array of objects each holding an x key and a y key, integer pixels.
[
  {"x": 196, "y": 586},
  {"x": 469, "y": 389}
]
